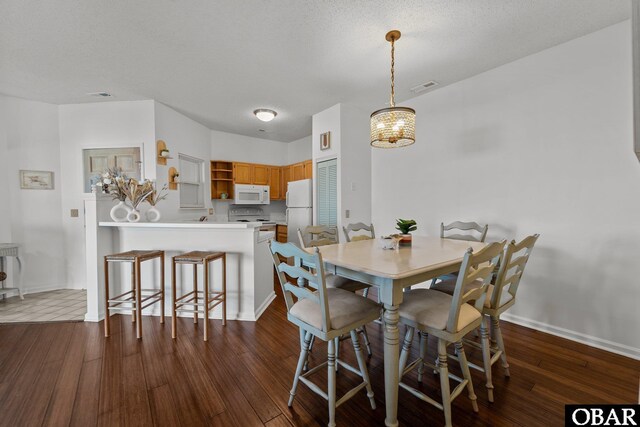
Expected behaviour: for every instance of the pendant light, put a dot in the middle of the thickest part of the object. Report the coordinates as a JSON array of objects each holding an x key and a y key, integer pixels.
[{"x": 394, "y": 126}]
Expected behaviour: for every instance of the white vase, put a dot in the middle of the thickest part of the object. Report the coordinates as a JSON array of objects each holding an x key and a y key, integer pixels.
[
  {"x": 120, "y": 211},
  {"x": 133, "y": 216},
  {"x": 153, "y": 214}
]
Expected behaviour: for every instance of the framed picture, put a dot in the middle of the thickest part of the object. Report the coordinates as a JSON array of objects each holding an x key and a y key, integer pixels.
[
  {"x": 325, "y": 141},
  {"x": 36, "y": 180}
]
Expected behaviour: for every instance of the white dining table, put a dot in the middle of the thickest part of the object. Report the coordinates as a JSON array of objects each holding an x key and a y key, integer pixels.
[{"x": 391, "y": 271}]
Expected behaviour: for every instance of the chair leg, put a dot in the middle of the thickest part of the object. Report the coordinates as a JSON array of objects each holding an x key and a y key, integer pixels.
[
  {"x": 106, "y": 298},
  {"x": 423, "y": 353},
  {"x": 162, "y": 288},
  {"x": 313, "y": 339},
  {"x": 464, "y": 366},
  {"x": 337, "y": 350},
  {"x": 205, "y": 288},
  {"x": 301, "y": 360},
  {"x": 331, "y": 380},
  {"x": 195, "y": 293},
  {"x": 365, "y": 338},
  {"x": 133, "y": 289},
  {"x": 363, "y": 367},
  {"x": 443, "y": 369},
  {"x": 486, "y": 356},
  {"x": 406, "y": 350},
  {"x": 174, "y": 313},
  {"x": 138, "y": 300},
  {"x": 498, "y": 335}
]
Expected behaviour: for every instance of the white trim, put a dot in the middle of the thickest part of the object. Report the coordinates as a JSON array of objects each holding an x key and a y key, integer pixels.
[
  {"x": 265, "y": 304},
  {"x": 45, "y": 288},
  {"x": 589, "y": 340}
]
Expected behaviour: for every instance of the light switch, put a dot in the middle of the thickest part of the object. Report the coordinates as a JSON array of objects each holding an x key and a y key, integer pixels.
[
  {"x": 347, "y": 213},
  {"x": 210, "y": 211},
  {"x": 74, "y": 213},
  {"x": 353, "y": 186}
]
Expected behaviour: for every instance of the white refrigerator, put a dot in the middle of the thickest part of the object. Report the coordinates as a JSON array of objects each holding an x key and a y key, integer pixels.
[{"x": 299, "y": 207}]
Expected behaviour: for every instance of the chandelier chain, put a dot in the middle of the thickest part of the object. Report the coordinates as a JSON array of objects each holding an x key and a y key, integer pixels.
[{"x": 393, "y": 62}]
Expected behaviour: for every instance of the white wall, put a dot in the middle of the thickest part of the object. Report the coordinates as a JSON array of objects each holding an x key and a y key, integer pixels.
[
  {"x": 97, "y": 125},
  {"x": 540, "y": 145},
  {"x": 299, "y": 150},
  {"x": 33, "y": 218},
  {"x": 240, "y": 148},
  {"x": 182, "y": 136},
  {"x": 355, "y": 152}
]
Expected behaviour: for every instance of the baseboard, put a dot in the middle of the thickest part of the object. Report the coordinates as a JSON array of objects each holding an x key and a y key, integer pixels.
[
  {"x": 44, "y": 288},
  {"x": 589, "y": 340},
  {"x": 265, "y": 304}
]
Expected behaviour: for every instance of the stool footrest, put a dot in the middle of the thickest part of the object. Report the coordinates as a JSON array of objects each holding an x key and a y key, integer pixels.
[{"x": 201, "y": 311}]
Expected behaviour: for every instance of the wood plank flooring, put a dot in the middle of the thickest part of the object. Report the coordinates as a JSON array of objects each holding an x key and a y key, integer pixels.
[{"x": 68, "y": 374}]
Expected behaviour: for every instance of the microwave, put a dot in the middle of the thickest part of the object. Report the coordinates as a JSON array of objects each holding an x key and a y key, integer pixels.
[{"x": 251, "y": 194}]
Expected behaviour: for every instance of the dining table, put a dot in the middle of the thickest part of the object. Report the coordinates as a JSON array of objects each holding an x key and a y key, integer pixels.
[{"x": 391, "y": 271}]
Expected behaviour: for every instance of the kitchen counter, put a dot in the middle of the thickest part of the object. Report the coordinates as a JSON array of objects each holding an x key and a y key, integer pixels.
[{"x": 250, "y": 287}]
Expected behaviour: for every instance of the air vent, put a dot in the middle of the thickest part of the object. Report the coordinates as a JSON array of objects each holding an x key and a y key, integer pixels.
[
  {"x": 424, "y": 86},
  {"x": 100, "y": 94}
]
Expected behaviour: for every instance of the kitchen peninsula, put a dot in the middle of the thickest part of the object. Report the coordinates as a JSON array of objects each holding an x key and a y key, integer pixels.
[{"x": 249, "y": 264}]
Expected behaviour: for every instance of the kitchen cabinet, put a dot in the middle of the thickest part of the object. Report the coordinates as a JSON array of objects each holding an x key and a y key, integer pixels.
[
  {"x": 260, "y": 174},
  {"x": 308, "y": 169},
  {"x": 281, "y": 233},
  {"x": 298, "y": 172},
  {"x": 275, "y": 183},
  {"x": 285, "y": 178},
  {"x": 242, "y": 173}
]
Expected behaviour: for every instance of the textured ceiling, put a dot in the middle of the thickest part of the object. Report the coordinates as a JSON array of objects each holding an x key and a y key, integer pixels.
[{"x": 216, "y": 61}]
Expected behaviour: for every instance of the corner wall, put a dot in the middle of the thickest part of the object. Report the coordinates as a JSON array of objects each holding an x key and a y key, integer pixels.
[{"x": 540, "y": 145}]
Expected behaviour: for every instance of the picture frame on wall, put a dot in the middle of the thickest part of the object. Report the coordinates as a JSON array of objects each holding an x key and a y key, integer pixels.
[
  {"x": 36, "y": 180},
  {"x": 325, "y": 141}
]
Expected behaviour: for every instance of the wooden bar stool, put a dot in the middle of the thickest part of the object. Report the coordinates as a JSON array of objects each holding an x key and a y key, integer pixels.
[
  {"x": 211, "y": 298},
  {"x": 135, "y": 298}
]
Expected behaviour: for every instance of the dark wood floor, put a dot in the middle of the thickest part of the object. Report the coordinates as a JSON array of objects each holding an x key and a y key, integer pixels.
[{"x": 68, "y": 374}]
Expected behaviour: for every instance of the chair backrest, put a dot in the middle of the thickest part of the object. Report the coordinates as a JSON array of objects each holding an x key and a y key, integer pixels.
[
  {"x": 358, "y": 226},
  {"x": 512, "y": 266},
  {"x": 311, "y": 284},
  {"x": 317, "y": 235},
  {"x": 466, "y": 227},
  {"x": 475, "y": 266}
]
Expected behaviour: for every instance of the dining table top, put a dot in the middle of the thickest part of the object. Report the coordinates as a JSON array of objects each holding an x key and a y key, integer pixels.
[{"x": 425, "y": 254}]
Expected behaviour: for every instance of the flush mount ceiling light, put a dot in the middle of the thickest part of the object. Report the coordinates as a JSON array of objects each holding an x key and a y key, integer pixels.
[
  {"x": 394, "y": 126},
  {"x": 265, "y": 115}
]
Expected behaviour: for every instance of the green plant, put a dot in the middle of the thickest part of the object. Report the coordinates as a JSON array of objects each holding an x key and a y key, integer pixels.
[{"x": 406, "y": 226}]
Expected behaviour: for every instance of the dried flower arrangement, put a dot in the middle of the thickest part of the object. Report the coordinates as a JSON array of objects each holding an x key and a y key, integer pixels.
[
  {"x": 136, "y": 192},
  {"x": 157, "y": 196},
  {"x": 108, "y": 183}
]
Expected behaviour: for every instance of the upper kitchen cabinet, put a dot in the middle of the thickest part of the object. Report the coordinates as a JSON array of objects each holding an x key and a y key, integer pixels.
[
  {"x": 242, "y": 173},
  {"x": 285, "y": 177},
  {"x": 221, "y": 179},
  {"x": 298, "y": 172},
  {"x": 308, "y": 169},
  {"x": 261, "y": 175},
  {"x": 275, "y": 182}
]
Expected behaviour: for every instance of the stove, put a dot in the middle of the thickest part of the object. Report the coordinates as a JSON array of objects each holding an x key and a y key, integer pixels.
[{"x": 248, "y": 214}]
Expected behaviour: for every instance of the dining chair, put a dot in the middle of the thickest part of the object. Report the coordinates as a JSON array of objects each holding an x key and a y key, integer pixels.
[
  {"x": 321, "y": 235},
  {"x": 355, "y": 228},
  {"x": 468, "y": 229},
  {"x": 325, "y": 313},
  {"x": 449, "y": 318},
  {"x": 501, "y": 295}
]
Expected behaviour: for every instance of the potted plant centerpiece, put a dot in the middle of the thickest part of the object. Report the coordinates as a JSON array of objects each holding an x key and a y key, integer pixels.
[
  {"x": 107, "y": 183},
  {"x": 406, "y": 226}
]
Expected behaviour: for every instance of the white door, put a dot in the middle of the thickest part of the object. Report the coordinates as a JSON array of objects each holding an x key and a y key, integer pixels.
[
  {"x": 97, "y": 160},
  {"x": 328, "y": 193}
]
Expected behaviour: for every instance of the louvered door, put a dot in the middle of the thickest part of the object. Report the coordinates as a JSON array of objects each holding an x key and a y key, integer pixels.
[{"x": 328, "y": 193}]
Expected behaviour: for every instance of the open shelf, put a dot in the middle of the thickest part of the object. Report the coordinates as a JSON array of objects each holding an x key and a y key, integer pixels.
[{"x": 221, "y": 179}]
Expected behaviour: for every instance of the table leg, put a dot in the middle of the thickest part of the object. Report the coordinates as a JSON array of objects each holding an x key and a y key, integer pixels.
[
  {"x": 391, "y": 360},
  {"x": 19, "y": 276}
]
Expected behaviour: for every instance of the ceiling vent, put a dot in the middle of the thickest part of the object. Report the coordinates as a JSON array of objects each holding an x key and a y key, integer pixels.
[
  {"x": 424, "y": 86},
  {"x": 100, "y": 94}
]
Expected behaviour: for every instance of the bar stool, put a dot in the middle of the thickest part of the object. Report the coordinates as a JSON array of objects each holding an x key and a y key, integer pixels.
[
  {"x": 211, "y": 298},
  {"x": 135, "y": 297}
]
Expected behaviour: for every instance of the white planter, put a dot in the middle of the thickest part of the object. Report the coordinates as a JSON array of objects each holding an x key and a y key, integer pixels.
[
  {"x": 119, "y": 212},
  {"x": 133, "y": 216},
  {"x": 153, "y": 214}
]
